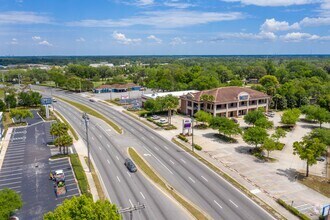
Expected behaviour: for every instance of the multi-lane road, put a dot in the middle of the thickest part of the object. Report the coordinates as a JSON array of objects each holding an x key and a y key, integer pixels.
[{"x": 189, "y": 177}]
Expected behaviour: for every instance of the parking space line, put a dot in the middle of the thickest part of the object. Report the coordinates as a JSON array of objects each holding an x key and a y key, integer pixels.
[
  {"x": 15, "y": 178},
  {"x": 61, "y": 165},
  {"x": 14, "y": 156},
  {"x": 108, "y": 161},
  {"x": 142, "y": 195},
  {"x": 13, "y": 174},
  {"x": 14, "y": 151},
  {"x": 183, "y": 160},
  {"x": 72, "y": 189},
  {"x": 11, "y": 166},
  {"x": 13, "y": 187},
  {"x": 11, "y": 183},
  {"x": 118, "y": 179},
  {"x": 9, "y": 170},
  {"x": 16, "y": 161},
  {"x": 70, "y": 184},
  {"x": 171, "y": 161}
]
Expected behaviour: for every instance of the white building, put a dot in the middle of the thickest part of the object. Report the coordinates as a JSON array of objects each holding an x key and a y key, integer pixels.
[
  {"x": 101, "y": 64},
  {"x": 177, "y": 94}
]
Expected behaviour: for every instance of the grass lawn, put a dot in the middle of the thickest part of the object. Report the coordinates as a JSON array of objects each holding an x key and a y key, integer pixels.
[
  {"x": 97, "y": 182},
  {"x": 2, "y": 94},
  {"x": 319, "y": 184},
  {"x": 90, "y": 111},
  {"x": 98, "y": 83},
  {"x": 145, "y": 168}
]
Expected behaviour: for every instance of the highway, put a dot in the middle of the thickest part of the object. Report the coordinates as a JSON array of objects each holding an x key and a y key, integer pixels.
[
  {"x": 206, "y": 189},
  {"x": 124, "y": 188}
]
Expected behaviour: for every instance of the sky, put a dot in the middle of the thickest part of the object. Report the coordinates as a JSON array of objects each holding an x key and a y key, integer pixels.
[{"x": 169, "y": 27}]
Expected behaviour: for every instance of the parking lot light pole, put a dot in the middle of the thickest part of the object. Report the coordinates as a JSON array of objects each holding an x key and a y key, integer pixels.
[{"x": 86, "y": 119}]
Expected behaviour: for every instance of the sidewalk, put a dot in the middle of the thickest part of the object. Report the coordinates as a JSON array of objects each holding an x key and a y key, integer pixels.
[{"x": 4, "y": 145}]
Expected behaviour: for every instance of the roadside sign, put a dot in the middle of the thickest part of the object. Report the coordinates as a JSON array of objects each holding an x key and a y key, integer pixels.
[
  {"x": 187, "y": 123},
  {"x": 46, "y": 101},
  {"x": 326, "y": 210}
]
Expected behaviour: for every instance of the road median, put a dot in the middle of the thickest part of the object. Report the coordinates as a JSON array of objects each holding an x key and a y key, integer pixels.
[
  {"x": 153, "y": 176},
  {"x": 92, "y": 112}
]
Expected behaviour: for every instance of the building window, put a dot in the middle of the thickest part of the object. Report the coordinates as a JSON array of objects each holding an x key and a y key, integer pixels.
[{"x": 189, "y": 103}]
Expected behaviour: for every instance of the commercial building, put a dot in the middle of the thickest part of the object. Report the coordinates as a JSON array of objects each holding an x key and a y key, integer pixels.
[
  {"x": 117, "y": 88},
  {"x": 178, "y": 94},
  {"x": 230, "y": 101}
]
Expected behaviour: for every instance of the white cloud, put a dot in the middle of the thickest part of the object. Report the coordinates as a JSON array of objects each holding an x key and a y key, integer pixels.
[
  {"x": 180, "y": 5},
  {"x": 144, "y": 2},
  {"x": 315, "y": 21},
  {"x": 298, "y": 36},
  {"x": 177, "y": 41},
  {"x": 163, "y": 19},
  {"x": 80, "y": 39},
  {"x": 154, "y": 38},
  {"x": 121, "y": 38},
  {"x": 45, "y": 43},
  {"x": 36, "y": 38},
  {"x": 271, "y": 25},
  {"x": 273, "y": 3},
  {"x": 14, "y": 41},
  {"x": 21, "y": 17},
  {"x": 199, "y": 41},
  {"x": 247, "y": 36}
]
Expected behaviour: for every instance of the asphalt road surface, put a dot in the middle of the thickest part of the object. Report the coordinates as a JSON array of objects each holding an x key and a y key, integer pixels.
[
  {"x": 191, "y": 178},
  {"x": 124, "y": 188}
]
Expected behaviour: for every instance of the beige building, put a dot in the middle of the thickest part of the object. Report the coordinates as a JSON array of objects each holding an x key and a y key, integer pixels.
[{"x": 230, "y": 101}]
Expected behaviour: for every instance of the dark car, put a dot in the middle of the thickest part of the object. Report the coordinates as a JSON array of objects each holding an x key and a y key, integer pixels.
[{"x": 130, "y": 165}]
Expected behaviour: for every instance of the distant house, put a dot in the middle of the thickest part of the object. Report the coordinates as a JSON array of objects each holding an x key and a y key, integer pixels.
[
  {"x": 117, "y": 88},
  {"x": 101, "y": 64},
  {"x": 232, "y": 101}
]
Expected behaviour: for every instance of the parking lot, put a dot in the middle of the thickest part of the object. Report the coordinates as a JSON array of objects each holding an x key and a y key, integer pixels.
[{"x": 26, "y": 169}]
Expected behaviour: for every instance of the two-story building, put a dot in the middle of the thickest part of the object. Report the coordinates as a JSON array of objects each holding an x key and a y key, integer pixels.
[{"x": 230, "y": 101}]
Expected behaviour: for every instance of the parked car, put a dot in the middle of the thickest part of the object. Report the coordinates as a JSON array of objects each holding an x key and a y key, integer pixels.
[
  {"x": 270, "y": 114},
  {"x": 321, "y": 159},
  {"x": 155, "y": 117},
  {"x": 130, "y": 165},
  {"x": 163, "y": 121}
]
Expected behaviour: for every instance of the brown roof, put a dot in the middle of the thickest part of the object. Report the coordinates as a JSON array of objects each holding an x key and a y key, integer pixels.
[
  {"x": 117, "y": 86},
  {"x": 228, "y": 94}
]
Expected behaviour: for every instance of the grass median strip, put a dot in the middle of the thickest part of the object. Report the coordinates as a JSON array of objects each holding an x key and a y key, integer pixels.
[
  {"x": 73, "y": 132},
  {"x": 231, "y": 180},
  {"x": 145, "y": 168},
  {"x": 90, "y": 111},
  {"x": 96, "y": 181}
]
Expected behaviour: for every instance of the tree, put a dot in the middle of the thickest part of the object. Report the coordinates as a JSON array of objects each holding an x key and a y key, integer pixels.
[
  {"x": 264, "y": 123},
  {"x": 83, "y": 207},
  {"x": 290, "y": 117},
  {"x": 170, "y": 103},
  {"x": 309, "y": 149},
  {"x": 11, "y": 101},
  {"x": 323, "y": 134},
  {"x": 316, "y": 113},
  {"x": 63, "y": 141},
  {"x": 2, "y": 106},
  {"x": 152, "y": 105},
  {"x": 269, "y": 145},
  {"x": 279, "y": 133},
  {"x": 255, "y": 136},
  {"x": 225, "y": 126},
  {"x": 253, "y": 116},
  {"x": 20, "y": 114},
  {"x": 58, "y": 129},
  {"x": 205, "y": 98},
  {"x": 203, "y": 117},
  {"x": 270, "y": 83},
  {"x": 9, "y": 202}
]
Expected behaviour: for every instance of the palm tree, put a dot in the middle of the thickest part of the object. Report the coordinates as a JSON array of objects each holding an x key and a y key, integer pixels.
[
  {"x": 64, "y": 141},
  {"x": 170, "y": 103},
  {"x": 58, "y": 130}
]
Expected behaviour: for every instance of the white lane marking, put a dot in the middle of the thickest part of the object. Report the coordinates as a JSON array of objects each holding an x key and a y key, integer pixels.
[
  {"x": 100, "y": 136},
  {"x": 132, "y": 130},
  {"x": 118, "y": 179},
  {"x": 191, "y": 179},
  {"x": 142, "y": 195},
  {"x": 128, "y": 174},
  {"x": 117, "y": 157},
  {"x": 92, "y": 138},
  {"x": 15, "y": 178},
  {"x": 93, "y": 128},
  {"x": 233, "y": 203},
  {"x": 108, "y": 161},
  {"x": 152, "y": 137},
  {"x": 108, "y": 145},
  {"x": 11, "y": 183},
  {"x": 158, "y": 160},
  {"x": 14, "y": 174},
  {"x": 100, "y": 148},
  {"x": 143, "y": 138},
  {"x": 217, "y": 203},
  {"x": 204, "y": 178},
  {"x": 130, "y": 202},
  {"x": 183, "y": 160},
  {"x": 166, "y": 147},
  {"x": 171, "y": 161},
  {"x": 156, "y": 148}
]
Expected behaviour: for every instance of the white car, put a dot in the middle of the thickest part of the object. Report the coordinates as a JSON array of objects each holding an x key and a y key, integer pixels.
[
  {"x": 163, "y": 121},
  {"x": 155, "y": 117}
]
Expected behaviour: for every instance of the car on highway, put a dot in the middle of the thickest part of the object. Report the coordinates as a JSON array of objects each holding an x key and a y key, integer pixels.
[
  {"x": 54, "y": 100},
  {"x": 163, "y": 121},
  {"x": 92, "y": 100},
  {"x": 130, "y": 165},
  {"x": 155, "y": 117}
]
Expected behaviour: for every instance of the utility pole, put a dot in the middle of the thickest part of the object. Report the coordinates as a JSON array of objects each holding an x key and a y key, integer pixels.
[
  {"x": 86, "y": 120},
  {"x": 131, "y": 210}
]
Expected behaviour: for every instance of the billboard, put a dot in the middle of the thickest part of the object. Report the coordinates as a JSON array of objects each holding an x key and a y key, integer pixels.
[
  {"x": 46, "y": 101},
  {"x": 186, "y": 123}
]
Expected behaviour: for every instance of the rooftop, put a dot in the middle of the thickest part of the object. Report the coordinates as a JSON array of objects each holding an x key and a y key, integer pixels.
[{"x": 162, "y": 94}]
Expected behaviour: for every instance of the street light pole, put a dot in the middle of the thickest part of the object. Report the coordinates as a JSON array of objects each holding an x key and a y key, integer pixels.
[
  {"x": 192, "y": 134},
  {"x": 86, "y": 119}
]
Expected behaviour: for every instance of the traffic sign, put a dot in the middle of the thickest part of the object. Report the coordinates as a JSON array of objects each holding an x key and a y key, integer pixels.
[{"x": 46, "y": 101}]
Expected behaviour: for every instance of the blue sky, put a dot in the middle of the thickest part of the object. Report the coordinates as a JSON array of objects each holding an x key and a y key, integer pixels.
[{"x": 169, "y": 27}]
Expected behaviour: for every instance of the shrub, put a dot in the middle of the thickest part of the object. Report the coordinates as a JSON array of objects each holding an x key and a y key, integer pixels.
[
  {"x": 181, "y": 137},
  {"x": 197, "y": 147},
  {"x": 293, "y": 210}
]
